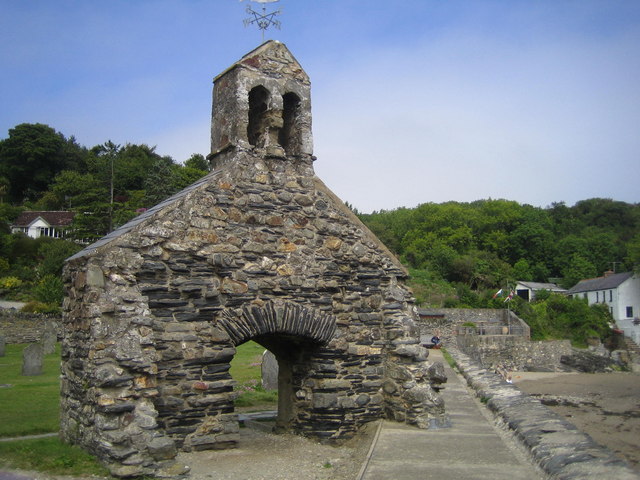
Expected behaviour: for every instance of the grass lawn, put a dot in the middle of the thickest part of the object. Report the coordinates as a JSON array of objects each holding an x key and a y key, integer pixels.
[
  {"x": 245, "y": 369},
  {"x": 30, "y": 405},
  {"x": 49, "y": 455}
]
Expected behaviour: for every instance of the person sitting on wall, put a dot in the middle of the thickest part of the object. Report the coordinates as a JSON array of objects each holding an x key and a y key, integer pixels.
[{"x": 435, "y": 341}]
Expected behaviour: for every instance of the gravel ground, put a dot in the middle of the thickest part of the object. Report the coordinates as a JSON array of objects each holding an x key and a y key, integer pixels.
[
  {"x": 281, "y": 457},
  {"x": 262, "y": 455}
]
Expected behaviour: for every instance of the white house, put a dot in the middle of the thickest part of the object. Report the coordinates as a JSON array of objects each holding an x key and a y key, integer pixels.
[
  {"x": 43, "y": 224},
  {"x": 527, "y": 290},
  {"x": 621, "y": 292}
]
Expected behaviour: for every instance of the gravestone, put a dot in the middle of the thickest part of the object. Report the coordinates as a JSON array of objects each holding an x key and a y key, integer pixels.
[
  {"x": 49, "y": 338},
  {"x": 32, "y": 358},
  {"x": 2, "y": 345},
  {"x": 269, "y": 371}
]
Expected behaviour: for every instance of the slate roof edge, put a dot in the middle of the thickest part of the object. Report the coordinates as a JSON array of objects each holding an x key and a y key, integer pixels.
[
  {"x": 134, "y": 222},
  {"x": 600, "y": 283}
]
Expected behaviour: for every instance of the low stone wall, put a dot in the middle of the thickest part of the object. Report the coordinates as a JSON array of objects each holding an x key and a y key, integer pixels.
[
  {"x": 555, "y": 444},
  {"x": 448, "y": 323},
  {"x": 19, "y": 327},
  {"x": 514, "y": 353}
]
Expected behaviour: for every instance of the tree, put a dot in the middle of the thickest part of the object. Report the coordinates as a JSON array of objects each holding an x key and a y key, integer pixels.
[
  {"x": 633, "y": 254},
  {"x": 53, "y": 254},
  {"x": 160, "y": 182},
  {"x": 522, "y": 271},
  {"x": 578, "y": 269},
  {"x": 32, "y": 156},
  {"x": 197, "y": 162},
  {"x": 4, "y": 188}
]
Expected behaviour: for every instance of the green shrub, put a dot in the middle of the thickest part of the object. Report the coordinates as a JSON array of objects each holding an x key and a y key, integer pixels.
[
  {"x": 560, "y": 317},
  {"x": 50, "y": 289},
  {"x": 40, "y": 307},
  {"x": 10, "y": 283},
  {"x": 4, "y": 266}
]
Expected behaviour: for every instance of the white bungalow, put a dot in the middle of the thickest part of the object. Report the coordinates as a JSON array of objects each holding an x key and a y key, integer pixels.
[
  {"x": 621, "y": 292},
  {"x": 43, "y": 224}
]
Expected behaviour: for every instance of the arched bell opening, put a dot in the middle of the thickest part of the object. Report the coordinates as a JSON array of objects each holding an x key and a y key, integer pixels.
[
  {"x": 289, "y": 137},
  {"x": 258, "y": 104}
]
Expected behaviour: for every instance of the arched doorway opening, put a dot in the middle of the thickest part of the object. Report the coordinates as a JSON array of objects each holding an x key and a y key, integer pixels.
[
  {"x": 293, "y": 355},
  {"x": 296, "y": 335}
]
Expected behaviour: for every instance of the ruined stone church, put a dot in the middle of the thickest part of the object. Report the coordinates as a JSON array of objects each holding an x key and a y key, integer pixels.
[{"x": 259, "y": 249}]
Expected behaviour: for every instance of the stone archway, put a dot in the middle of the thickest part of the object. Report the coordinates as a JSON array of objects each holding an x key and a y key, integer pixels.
[{"x": 293, "y": 333}]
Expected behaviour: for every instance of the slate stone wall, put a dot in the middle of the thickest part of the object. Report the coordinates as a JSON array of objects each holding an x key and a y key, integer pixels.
[
  {"x": 514, "y": 352},
  {"x": 19, "y": 327},
  {"x": 557, "y": 446},
  {"x": 258, "y": 251}
]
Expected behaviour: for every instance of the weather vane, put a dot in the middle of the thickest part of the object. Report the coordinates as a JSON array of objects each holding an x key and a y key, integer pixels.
[{"x": 263, "y": 19}]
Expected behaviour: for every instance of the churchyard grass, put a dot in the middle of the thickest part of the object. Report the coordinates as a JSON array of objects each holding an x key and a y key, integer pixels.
[
  {"x": 49, "y": 455},
  {"x": 28, "y": 405},
  {"x": 245, "y": 369}
]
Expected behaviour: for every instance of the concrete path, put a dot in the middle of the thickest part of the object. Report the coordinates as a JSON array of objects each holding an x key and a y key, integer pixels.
[{"x": 473, "y": 448}]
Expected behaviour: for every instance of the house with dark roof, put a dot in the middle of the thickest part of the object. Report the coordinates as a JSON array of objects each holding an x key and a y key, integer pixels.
[
  {"x": 621, "y": 292},
  {"x": 43, "y": 224},
  {"x": 527, "y": 290}
]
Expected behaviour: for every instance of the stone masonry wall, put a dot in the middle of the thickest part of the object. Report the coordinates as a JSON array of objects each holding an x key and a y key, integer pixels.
[
  {"x": 18, "y": 327},
  {"x": 448, "y": 323},
  {"x": 152, "y": 319},
  {"x": 513, "y": 352},
  {"x": 258, "y": 250}
]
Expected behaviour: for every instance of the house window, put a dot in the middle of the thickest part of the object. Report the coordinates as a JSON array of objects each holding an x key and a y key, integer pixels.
[
  {"x": 597, "y": 297},
  {"x": 611, "y": 295},
  {"x": 629, "y": 312}
]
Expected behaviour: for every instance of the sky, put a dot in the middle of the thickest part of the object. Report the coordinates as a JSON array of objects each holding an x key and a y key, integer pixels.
[{"x": 413, "y": 101}]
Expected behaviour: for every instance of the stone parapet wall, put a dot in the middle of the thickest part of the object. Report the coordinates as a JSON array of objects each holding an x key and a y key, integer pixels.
[
  {"x": 513, "y": 352},
  {"x": 459, "y": 316},
  {"x": 19, "y": 327},
  {"x": 448, "y": 323},
  {"x": 561, "y": 450}
]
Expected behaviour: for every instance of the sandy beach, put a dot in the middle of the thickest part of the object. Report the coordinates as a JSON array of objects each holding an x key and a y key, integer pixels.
[{"x": 604, "y": 405}]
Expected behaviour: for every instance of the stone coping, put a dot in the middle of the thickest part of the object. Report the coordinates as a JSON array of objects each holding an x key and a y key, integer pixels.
[{"x": 555, "y": 444}]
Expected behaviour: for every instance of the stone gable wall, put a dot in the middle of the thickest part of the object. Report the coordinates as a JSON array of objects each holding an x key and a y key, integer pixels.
[{"x": 259, "y": 250}]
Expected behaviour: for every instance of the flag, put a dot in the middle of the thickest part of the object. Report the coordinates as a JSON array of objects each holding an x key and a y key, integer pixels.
[
  {"x": 497, "y": 294},
  {"x": 510, "y": 296}
]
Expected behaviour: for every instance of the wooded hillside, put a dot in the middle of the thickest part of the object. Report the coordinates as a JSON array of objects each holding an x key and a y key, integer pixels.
[{"x": 489, "y": 243}]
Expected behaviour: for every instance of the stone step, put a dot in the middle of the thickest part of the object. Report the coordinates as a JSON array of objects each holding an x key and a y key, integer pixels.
[{"x": 631, "y": 345}]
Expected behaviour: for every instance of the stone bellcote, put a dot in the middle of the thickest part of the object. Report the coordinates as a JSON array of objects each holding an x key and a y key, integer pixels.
[{"x": 262, "y": 103}]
